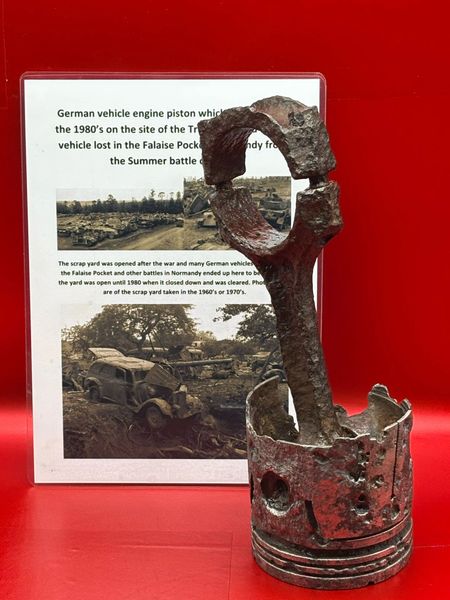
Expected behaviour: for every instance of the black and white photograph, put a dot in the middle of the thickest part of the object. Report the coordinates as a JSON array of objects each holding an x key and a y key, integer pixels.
[
  {"x": 159, "y": 219},
  {"x": 272, "y": 194},
  {"x": 163, "y": 381},
  {"x": 120, "y": 220}
]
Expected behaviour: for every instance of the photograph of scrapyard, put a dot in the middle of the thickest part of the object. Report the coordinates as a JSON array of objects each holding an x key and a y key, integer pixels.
[
  {"x": 159, "y": 220},
  {"x": 164, "y": 381},
  {"x": 271, "y": 194},
  {"x": 117, "y": 222}
]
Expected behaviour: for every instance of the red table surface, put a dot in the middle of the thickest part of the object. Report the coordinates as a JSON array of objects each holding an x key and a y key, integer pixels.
[
  {"x": 190, "y": 543},
  {"x": 386, "y": 282}
]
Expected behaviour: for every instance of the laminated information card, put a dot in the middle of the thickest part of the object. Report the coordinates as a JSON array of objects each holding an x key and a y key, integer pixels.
[{"x": 146, "y": 330}]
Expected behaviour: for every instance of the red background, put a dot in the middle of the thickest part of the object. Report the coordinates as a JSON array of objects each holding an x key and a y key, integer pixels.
[{"x": 386, "y": 278}]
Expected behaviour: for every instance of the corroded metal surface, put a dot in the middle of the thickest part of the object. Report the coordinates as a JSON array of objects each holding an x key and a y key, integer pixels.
[
  {"x": 335, "y": 516},
  {"x": 285, "y": 259},
  {"x": 331, "y": 500}
]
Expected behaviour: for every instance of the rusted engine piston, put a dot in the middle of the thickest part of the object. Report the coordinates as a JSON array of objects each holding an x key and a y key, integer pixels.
[
  {"x": 331, "y": 498},
  {"x": 332, "y": 516}
]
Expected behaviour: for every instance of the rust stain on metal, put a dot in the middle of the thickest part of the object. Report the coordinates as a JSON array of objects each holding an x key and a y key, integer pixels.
[{"x": 331, "y": 500}]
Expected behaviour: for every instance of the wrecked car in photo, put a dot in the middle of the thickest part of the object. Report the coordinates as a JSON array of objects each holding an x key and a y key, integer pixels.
[{"x": 149, "y": 389}]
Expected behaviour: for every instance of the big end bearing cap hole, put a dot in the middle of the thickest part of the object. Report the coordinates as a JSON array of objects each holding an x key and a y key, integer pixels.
[{"x": 275, "y": 491}]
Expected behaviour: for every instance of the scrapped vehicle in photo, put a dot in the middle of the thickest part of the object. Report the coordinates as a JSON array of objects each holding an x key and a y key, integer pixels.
[
  {"x": 276, "y": 211},
  {"x": 266, "y": 365},
  {"x": 207, "y": 220},
  {"x": 147, "y": 388}
]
